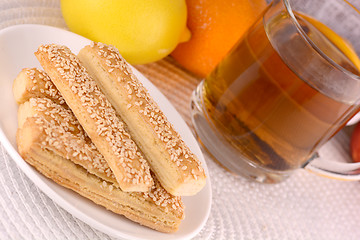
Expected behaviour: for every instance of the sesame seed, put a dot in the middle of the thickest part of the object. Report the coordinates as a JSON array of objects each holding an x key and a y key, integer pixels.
[
  {"x": 99, "y": 109},
  {"x": 74, "y": 144},
  {"x": 42, "y": 85}
]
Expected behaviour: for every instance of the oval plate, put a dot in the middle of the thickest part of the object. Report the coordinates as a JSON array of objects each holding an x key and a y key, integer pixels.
[{"x": 17, "y": 47}]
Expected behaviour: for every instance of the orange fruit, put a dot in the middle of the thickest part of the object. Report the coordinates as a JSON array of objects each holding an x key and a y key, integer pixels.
[{"x": 215, "y": 27}]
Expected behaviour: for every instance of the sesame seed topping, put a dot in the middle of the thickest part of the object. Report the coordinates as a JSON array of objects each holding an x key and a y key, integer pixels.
[
  {"x": 161, "y": 197},
  {"x": 42, "y": 86},
  {"x": 65, "y": 144},
  {"x": 138, "y": 96},
  {"x": 63, "y": 134},
  {"x": 94, "y": 103}
]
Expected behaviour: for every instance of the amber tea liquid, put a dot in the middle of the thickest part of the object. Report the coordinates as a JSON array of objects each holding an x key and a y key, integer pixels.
[{"x": 261, "y": 106}]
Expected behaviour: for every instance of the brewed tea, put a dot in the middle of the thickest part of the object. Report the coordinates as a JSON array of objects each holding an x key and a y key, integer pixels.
[{"x": 267, "y": 110}]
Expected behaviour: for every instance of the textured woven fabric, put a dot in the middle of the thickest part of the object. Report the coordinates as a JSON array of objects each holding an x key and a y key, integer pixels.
[{"x": 305, "y": 206}]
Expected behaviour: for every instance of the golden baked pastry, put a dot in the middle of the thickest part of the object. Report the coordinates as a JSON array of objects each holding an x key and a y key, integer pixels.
[
  {"x": 49, "y": 155},
  {"x": 51, "y": 139},
  {"x": 96, "y": 116},
  {"x": 176, "y": 167},
  {"x": 72, "y": 134},
  {"x": 69, "y": 140},
  {"x": 33, "y": 82}
]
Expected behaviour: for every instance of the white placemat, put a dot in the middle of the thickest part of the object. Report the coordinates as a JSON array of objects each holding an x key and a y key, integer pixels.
[{"x": 304, "y": 207}]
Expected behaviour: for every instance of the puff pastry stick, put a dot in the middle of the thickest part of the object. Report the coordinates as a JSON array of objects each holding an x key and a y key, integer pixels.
[
  {"x": 41, "y": 99},
  {"x": 32, "y": 83},
  {"x": 176, "y": 167},
  {"x": 155, "y": 209},
  {"x": 96, "y": 116},
  {"x": 69, "y": 140}
]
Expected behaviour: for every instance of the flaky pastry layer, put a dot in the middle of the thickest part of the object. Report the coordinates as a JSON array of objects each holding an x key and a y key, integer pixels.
[{"x": 155, "y": 209}]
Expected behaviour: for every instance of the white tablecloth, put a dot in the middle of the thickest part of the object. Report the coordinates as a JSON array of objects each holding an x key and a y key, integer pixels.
[{"x": 305, "y": 206}]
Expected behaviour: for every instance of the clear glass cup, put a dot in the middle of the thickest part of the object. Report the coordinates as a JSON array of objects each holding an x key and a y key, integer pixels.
[{"x": 288, "y": 85}]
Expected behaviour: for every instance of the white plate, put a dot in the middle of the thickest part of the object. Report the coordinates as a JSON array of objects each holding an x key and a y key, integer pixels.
[{"x": 17, "y": 45}]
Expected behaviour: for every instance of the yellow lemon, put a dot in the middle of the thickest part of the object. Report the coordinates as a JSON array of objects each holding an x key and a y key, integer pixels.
[{"x": 143, "y": 31}]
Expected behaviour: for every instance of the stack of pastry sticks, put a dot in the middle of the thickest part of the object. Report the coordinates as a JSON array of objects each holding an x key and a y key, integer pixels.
[{"x": 88, "y": 123}]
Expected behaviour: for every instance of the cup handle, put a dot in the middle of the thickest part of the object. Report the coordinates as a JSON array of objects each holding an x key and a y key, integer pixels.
[{"x": 333, "y": 169}]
